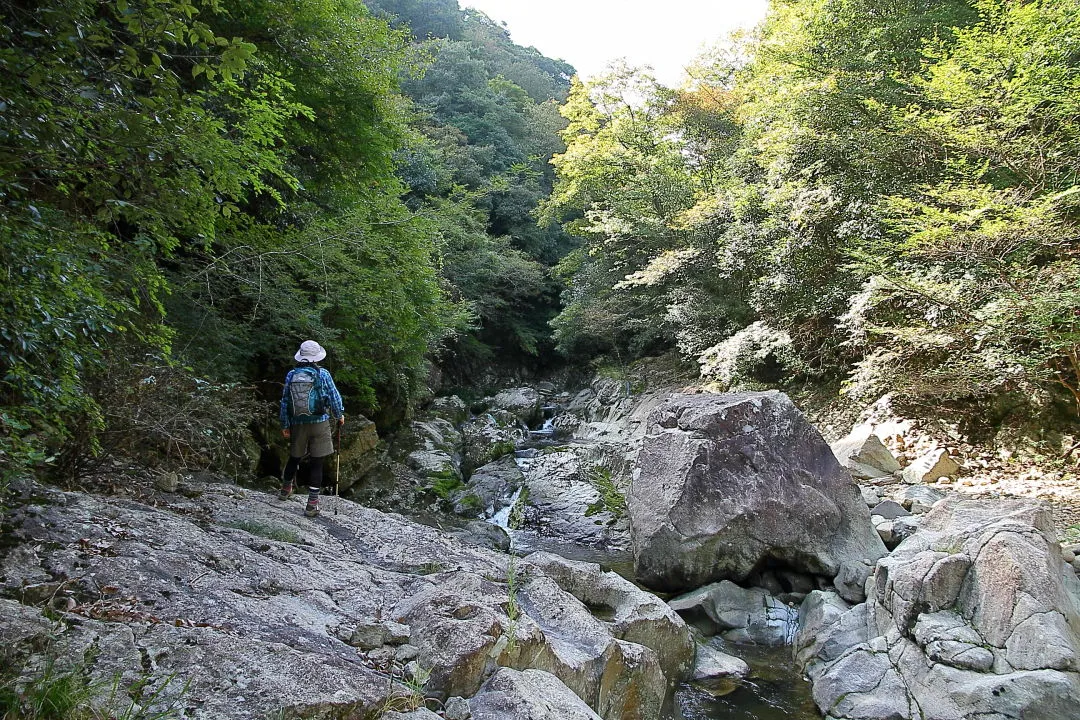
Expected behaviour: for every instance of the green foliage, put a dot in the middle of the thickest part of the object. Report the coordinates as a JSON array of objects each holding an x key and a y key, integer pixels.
[
  {"x": 51, "y": 691},
  {"x": 753, "y": 358},
  {"x": 629, "y": 187},
  {"x": 888, "y": 192},
  {"x": 444, "y": 486},
  {"x": 612, "y": 500},
  {"x": 489, "y": 124},
  {"x": 424, "y": 18},
  {"x": 977, "y": 293},
  {"x": 266, "y": 530},
  {"x": 500, "y": 284},
  {"x": 130, "y": 131}
]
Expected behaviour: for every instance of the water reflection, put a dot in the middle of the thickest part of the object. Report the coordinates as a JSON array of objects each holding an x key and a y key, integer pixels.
[{"x": 774, "y": 690}]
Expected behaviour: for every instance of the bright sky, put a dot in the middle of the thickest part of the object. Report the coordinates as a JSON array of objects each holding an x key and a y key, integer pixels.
[{"x": 589, "y": 34}]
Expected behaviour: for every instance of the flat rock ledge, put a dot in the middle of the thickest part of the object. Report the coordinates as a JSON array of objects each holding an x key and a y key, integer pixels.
[{"x": 221, "y": 602}]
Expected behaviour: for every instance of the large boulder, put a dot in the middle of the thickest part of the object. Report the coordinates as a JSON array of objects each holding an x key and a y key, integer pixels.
[
  {"x": 564, "y": 501},
  {"x": 488, "y": 437},
  {"x": 974, "y": 615},
  {"x": 489, "y": 489},
  {"x": 523, "y": 403},
  {"x": 727, "y": 483},
  {"x": 432, "y": 447}
]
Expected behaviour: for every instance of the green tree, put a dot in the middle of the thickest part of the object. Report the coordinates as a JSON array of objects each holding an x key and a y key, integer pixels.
[
  {"x": 129, "y": 131},
  {"x": 975, "y": 291}
]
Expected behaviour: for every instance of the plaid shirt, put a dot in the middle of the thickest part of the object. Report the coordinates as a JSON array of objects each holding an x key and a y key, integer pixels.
[{"x": 329, "y": 393}]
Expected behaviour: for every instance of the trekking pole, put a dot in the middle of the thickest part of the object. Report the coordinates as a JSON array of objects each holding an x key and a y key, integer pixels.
[{"x": 337, "y": 466}]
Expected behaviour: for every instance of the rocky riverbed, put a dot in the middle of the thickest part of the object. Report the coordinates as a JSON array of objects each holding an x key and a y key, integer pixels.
[{"x": 194, "y": 597}]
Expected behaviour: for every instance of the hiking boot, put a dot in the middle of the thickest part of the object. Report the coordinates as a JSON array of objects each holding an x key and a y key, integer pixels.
[
  {"x": 285, "y": 493},
  {"x": 312, "y": 509}
]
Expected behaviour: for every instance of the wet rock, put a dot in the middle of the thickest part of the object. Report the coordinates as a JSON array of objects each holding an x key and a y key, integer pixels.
[
  {"x": 712, "y": 664},
  {"x": 863, "y": 454},
  {"x": 528, "y": 695},
  {"x": 523, "y": 403},
  {"x": 564, "y": 503},
  {"x": 489, "y": 489},
  {"x": 738, "y": 614},
  {"x": 725, "y": 483},
  {"x": 929, "y": 467}
]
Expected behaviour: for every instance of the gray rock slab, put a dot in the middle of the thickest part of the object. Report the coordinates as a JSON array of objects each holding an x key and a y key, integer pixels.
[
  {"x": 236, "y": 593},
  {"x": 889, "y": 510},
  {"x": 864, "y": 455},
  {"x": 724, "y": 483},
  {"x": 739, "y": 614},
  {"x": 918, "y": 499},
  {"x": 528, "y": 695}
]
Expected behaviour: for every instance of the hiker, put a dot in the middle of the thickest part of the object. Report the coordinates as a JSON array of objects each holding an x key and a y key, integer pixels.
[{"x": 309, "y": 401}]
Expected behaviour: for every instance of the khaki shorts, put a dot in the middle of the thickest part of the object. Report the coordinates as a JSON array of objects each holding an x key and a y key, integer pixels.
[{"x": 311, "y": 439}]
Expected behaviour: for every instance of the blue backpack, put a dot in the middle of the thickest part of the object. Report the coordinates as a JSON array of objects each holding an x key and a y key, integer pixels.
[{"x": 305, "y": 393}]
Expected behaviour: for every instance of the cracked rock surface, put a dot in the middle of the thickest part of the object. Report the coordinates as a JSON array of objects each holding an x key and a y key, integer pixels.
[
  {"x": 725, "y": 484},
  {"x": 228, "y": 603},
  {"x": 973, "y": 616}
]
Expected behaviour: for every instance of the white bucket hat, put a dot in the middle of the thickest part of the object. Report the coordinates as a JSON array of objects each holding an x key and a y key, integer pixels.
[{"x": 310, "y": 351}]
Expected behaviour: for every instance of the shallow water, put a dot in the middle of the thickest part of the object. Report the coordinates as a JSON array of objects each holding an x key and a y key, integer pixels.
[{"x": 774, "y": 690}]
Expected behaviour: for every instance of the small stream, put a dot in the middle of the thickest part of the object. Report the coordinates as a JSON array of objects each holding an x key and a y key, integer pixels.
[{"x": 774, "y": 690}]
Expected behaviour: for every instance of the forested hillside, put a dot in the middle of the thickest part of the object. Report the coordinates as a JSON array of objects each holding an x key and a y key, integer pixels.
[
  {"x": 190, "y": 188},
  {"x": 882, "y": 197}
]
